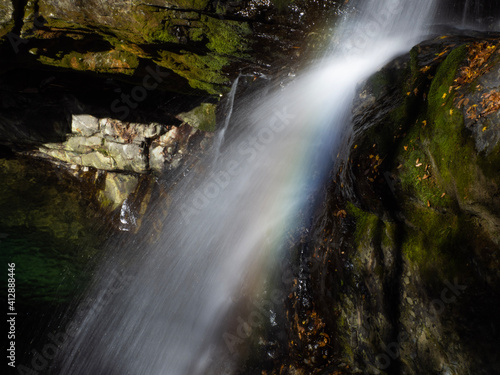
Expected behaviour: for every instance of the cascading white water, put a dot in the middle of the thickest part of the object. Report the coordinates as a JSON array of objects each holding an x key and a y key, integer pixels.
[
  {"x": 219, "y": 234},
  {"x": 464, "y": 13}
]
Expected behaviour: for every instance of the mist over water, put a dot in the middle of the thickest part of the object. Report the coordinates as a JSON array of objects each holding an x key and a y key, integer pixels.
[{"x": 227, "y": 219}]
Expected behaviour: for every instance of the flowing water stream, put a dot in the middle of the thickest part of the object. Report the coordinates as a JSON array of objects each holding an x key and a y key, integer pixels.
[{"x": 225, "y": 225}]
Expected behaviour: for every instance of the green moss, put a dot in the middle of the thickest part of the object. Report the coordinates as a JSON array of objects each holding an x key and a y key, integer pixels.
[
  {"x": 196, "y": 34},
  {"x": 344, "y": 327},
  {"x": 202, "y": 71},
  {"x": 226, "y": 37},
  {"x": 416, "y": 173},
  {"x": 388, "y": 235},
  {"x": 437, "y": 165},
  {"x": 443, "y": 79},
  {"x": 55, "y": 23},
  {"x": 160, "y": 35},
  {"x": 153, "y": 26},
  {"x": 449, "y": 144},
  {"x": 201, "y": 117},
  {"x": 216, "y": 42},
  {"x": 427, "y": 156},
  {"x": 190, "y": 4},
  {"x": 414, "y": 63},
  {"x": 437, "y": 242},
  {"x": 102, "y": 62},
  {"x": 453, "y": 151},
  {"x": 366, "y": 224}
]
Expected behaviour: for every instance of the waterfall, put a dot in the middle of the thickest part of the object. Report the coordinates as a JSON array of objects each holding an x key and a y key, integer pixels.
[
  {"x": 464, "y": 12},
  {"x": 225, "y": 224}
]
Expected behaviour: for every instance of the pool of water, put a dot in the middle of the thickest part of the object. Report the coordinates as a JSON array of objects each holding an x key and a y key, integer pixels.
[{"x": 52, "y": 230}]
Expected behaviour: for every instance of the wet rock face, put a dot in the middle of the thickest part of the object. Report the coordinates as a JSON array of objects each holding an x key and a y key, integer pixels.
[
  {"x": 6, "y": 17},
  {"x": 198, "y": 41},
  {"x": 400, "y": 271},
  {"x": 479, "y": 14},
  {"x": 410, "y": 235}
]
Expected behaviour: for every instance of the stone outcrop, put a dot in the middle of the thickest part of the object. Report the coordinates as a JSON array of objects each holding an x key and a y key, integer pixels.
[
  {"x": 111, "y": 145},
  {"x": 202, "y": 44}
]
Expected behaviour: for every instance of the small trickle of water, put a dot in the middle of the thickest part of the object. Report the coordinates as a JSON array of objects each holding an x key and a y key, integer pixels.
[
  {"x": 229, "y": 104},
  {"x": 464, "y": 13}
]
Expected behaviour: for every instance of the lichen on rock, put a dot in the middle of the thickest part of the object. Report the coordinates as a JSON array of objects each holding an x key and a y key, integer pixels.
[{"x": 201, "y": 117}]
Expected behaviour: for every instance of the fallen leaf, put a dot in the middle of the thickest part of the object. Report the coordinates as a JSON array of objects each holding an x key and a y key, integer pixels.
[
  {"x": 418, "y": 165},
  {"x": 341, "y": 213},
  {"x": 442, "y": 196}
]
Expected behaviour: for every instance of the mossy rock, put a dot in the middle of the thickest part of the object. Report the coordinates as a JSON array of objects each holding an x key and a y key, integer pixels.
[
  {"x": 204, "y": 43},
  {"x": 203, "y": 72},
  {"x": 114, "y": 62},
  {"x": 202, "y": 117},
  {"x": 423, "y": 226}
]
